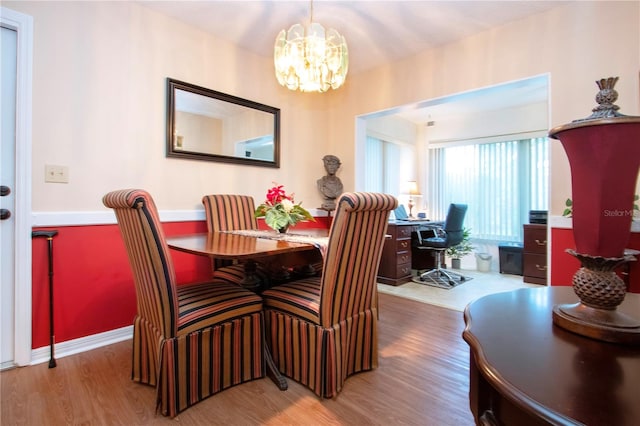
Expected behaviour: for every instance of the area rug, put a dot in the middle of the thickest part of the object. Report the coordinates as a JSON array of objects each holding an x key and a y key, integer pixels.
[
  {"x": 441, "y": 282},
  {"x": 457, "y": 298}
]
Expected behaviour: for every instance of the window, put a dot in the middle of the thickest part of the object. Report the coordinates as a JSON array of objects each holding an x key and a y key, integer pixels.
[{"x": 500, "y": 182}]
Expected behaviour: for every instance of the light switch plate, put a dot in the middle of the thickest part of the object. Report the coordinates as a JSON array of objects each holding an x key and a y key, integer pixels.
[{"x": 56, "y": 174}]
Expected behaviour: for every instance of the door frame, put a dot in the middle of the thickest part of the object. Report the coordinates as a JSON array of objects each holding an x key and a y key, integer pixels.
[{"x": 23, "y": 25}]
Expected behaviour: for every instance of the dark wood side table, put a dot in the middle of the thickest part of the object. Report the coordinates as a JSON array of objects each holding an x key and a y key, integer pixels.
[{"x": 524, "y": 370}]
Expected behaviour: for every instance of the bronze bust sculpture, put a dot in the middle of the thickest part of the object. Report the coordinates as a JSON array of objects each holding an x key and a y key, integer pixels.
[{"x": 330, "y": 185}]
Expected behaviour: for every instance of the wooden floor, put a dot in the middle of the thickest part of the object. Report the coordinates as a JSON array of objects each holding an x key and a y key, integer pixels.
[{"x": 422, "y": 378}]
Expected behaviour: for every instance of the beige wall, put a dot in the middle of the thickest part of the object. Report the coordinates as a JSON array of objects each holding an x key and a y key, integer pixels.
[
  {"x": 576, "y": 45},
  {"x": 99, "y": 96},
  {"x": 99, "y": 102}
]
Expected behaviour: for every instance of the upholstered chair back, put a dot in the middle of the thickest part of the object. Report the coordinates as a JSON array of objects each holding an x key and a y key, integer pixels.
[
  {"x": 229, "y": 212},
  {"x": 453, "y": 225},
  {"x": 353, "y": 254},
  {"x": 148, "y": 251}
]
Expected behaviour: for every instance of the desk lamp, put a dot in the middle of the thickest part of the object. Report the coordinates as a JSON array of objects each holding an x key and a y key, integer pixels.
[{"x": 413, "y": 191}]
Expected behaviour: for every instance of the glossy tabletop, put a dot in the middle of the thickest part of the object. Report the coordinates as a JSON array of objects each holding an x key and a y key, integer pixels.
[
  {"x": 224, "y": 245},
  {"x": 547, "y": 373}
]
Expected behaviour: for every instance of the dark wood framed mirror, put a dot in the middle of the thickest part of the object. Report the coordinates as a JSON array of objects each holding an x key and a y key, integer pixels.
[{"x": 203, "y": 124}]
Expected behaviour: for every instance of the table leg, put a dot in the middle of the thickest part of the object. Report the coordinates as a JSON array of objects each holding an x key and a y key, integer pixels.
[
  {"x": 251, "y": 281},
  {"x": 272, "y": 370}
]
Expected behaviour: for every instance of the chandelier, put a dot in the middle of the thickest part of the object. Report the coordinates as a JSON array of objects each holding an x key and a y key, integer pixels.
[{"x": 310, "y": 58}]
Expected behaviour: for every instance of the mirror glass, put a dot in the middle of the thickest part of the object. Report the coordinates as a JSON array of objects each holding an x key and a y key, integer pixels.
[{"x": 203, "y": 124}]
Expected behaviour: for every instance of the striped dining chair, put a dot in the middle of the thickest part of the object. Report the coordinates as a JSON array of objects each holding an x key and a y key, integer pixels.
[
  {"x": 321, "y": 330},
  {"x": 232, "y": 212},
  {"x": 190, "y": 341}
]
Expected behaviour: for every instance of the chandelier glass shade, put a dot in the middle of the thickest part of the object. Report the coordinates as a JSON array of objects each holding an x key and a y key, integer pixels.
[{"x": 310, "y": 58}]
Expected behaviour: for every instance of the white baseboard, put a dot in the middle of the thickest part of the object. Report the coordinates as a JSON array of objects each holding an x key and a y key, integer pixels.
[{"x": 83, "y": 344}]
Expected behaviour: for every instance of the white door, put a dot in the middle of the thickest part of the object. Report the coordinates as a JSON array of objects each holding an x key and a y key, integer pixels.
[
  {"x": 8, "y": 38},
  {"x": 16, "y": 41}
]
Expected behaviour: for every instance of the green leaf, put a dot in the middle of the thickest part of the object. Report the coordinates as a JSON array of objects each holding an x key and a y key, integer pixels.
[
  {"x": 464, "y": 248},
  {"x": 276, "y": 217}
]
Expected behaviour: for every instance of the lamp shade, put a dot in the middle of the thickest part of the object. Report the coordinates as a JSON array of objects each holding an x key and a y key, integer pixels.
[{"x": 412, "y": 188}]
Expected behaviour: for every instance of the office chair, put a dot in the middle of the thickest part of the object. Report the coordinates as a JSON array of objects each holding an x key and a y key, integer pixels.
[{"x": 450, "y": 235}]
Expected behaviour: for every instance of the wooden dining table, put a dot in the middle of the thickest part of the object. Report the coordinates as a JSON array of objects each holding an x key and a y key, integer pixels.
[
  {"x": 248, "y": 248},
  {"x": 249, "y": 245},
  {"x": 227, "y": 245}
]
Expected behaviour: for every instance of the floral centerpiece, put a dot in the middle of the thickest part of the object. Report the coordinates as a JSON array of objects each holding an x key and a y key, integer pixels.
[{"x": 280, "y": 211}]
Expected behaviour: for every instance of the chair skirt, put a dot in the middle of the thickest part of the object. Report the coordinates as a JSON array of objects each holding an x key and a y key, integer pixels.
[
  {"x": 322, "y": 358},
  {"x": 194, "y": 366}
]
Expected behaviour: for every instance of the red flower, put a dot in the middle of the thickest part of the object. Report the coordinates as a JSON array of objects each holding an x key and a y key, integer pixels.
[
  {"x": 279, "y": 210},
  {"x": 276, "y": 194}
]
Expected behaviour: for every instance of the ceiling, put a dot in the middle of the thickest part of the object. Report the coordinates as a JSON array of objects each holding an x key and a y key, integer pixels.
[{"x": 377, "y": 32}]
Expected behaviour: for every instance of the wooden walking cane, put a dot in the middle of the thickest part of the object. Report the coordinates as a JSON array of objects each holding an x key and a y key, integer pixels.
[{"x": 49, "y": 235}]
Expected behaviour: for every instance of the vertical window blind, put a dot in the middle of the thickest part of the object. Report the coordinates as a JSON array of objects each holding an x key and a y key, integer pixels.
[{"x": 500, "y": 182}]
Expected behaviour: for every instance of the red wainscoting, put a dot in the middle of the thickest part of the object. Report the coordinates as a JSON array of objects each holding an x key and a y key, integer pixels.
[
  {"x": 93, "y": 284},
  {"x": 563, "y": 265}
]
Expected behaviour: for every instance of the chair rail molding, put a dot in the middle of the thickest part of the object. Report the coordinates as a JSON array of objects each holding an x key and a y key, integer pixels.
[{"x": 108, "y": 218}]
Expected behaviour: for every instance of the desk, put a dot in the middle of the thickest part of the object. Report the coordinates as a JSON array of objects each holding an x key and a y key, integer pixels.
[
  {"x": 524, "y": 370},
  {"x": 395, "y": 263}
]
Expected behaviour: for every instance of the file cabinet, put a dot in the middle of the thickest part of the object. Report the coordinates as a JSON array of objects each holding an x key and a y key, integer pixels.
[
  {"x": 395, "y": 264},
  {"x": 535, "y": 254}
]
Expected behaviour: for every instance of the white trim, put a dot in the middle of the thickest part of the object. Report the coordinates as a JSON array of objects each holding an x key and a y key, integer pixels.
[
  {"x": 108, "y": 217},
  {"x": 83, "y": 344},
  {"x": 560, "y": 222},
  {"x": 23, "y": 24},
  {"x": 567, "y": 223}
]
